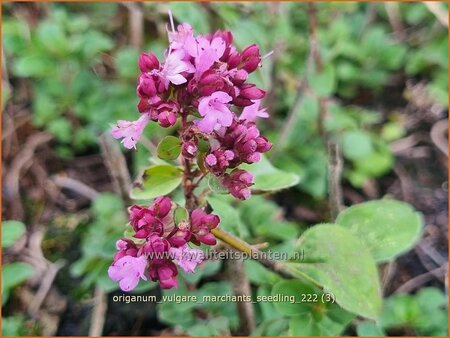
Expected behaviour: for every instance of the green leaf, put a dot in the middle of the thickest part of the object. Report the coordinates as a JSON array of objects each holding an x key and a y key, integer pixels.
[
  {"x": 212, "y": 327},
  {"x": 11, "y": 232},
  {"x": 356, "y": 144},
  {"x": 369, "y": 329},
  {"x": 339, "y": 262},
  {"x": 13, "y": 326},
  {"x": 157, "y": 180},
  {"x": 180, "y": 214},
  {"x": 304, "y": 325},
  {"x": 323, "y": 82},
  {"x": 293, "y": 291},
  {"x": 12, "y": 275},
  {"x": 269, "y": 178},
  {"x": 258, "y": 274},
  {"x": 34, "y": 65},
  {"x": 215, "y": 185},
  {"x": 386, "y": 227},
  {"x": 169, "y": 148},
  {"x": 229, "y": 215}
]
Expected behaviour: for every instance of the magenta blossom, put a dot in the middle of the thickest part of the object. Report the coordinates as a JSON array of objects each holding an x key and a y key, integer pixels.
[
  {"x": 130, "y": 131},
  {"x": 178, "y": 39},
  {"x": 238, "y": 183},
  {"x": 205, "y": 52},
  {"x": 215, "y": 112},
  {"x": 173, "y": 67},
  {"x": 250, "y": 113},
  {"x": 187, "y": 258},
  {"x": 128, "y": 270}
]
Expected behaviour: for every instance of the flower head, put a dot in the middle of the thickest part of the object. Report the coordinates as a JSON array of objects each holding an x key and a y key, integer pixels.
[
  {"x": 238, "y": 183},
  {"x": 215, "y": 112},
  {"x": 250, "y": 113},
  {"x": 187, "y": 258},
  {"x": 173, "y": 67},
  {"x": 128, "y": 271},
  {"x": 130, "y": 131}
]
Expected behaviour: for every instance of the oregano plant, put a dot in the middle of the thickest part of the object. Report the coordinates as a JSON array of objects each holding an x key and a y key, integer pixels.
[{"x": 201, "y": 87}]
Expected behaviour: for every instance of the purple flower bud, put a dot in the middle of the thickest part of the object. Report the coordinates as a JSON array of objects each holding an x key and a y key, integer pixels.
[
  {"x": 161, "y": 206},
  {"x": 201, "y": 225},
  {"x": 126, "y": 247},
  {"x": 189, "y": 149},
  {"x": 251, "y": 92},
  {"x": 210, "y": 82},
  {"x": 233, "y": 60},
  {"x": 144, "y": 105},
  {"x": 250, "y": 58},
  {"x": 166, "y": 113},
  {"x": 238, "y": 183},
  {"x": 240, "y": 77},
  {"x": 182, "y": 235},
  {"x": 146, "y": 86},
  {"x": 219, "y": 160},
  {"x": 165, "y": 272},
  {"x": 148, "y": 62},
  {"x": 241, "y": 102},
  {"x": 211, "y": 160},
  {"x": 263, "y": 144}
]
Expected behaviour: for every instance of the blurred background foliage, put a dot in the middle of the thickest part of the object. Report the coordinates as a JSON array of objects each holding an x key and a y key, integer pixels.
[{"x": 69, "y": 70}]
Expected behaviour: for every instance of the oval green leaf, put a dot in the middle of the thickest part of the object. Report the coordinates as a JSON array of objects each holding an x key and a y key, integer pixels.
[
  {"x": 11, "y": 232},
  {"x": 387, "y": 228},
  {"x": 338, "y": 261},
  {"x": 269, "y": 178},
  {"x": 180, "y": 214},
  {"x": 169, "y": 148},
  {"x": 156, "y": 181}
]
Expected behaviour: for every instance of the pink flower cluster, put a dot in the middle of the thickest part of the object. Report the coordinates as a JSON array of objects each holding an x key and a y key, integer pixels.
[
  {"x": 160, "y": 245},
  {"x": 202, "y": 81}
]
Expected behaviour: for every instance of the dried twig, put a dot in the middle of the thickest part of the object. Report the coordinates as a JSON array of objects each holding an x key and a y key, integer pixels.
[
  {"x": 136, "y": 23},
  {"x": 419, "y": 280},
  {"x": 75, "y": 185},
  {"x": 44, "y": 288},
  {"x": 438, "y": 11},
  {"x": 438, "y": 135},
  {"x": 291, "y": 122},
  {"x": 393, "y": 12},
  {"x": 99, "y": 313},
  {"x": 18, "y": 165},
  {"x": 241, "y": 287},
  {"x": 117, "y": 166},
  {"x": 334, "y": 179}
]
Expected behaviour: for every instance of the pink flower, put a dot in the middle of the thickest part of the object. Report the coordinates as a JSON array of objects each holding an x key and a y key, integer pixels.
[
  {"x": 204, "y": 51},
  {"x": 238, "y": 183},
  {"x": 173, "y": 67},
  {"x": 178, "y": 39},
  {"x": 127, "y": 271},
  {"x": 250, "y": 113},
  {"x": 201, "y": 226},
  {"x": 130, "y": 131},
  {"x": 187, "y": 258},
  {"x": 165, "y": 272},
  {"x": 215, "y": 112}
]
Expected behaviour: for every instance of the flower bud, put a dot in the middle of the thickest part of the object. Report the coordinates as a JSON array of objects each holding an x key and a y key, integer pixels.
[
  {"x": 251, "y": 92},
  {"x": 250, "y": 58},
  {"x": 167, "y": 113},
  {"x": 210, "y": 82},
  {"x": 238, "y": 183},
  {"x": 148, "y": 62},
  {"x": 189, "y": 149},
  {"x": 240, "y": 77},
  {"x": 146, "y": 86}
]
